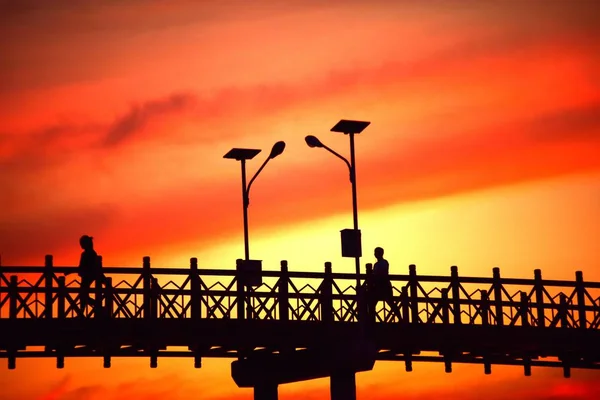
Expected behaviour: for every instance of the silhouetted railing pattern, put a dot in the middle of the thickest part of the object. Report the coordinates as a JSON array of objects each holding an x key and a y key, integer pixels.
[{"x": 42, "y": 293}]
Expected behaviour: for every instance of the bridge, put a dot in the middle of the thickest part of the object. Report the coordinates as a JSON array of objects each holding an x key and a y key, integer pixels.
[{"x": 290, "y": 326}]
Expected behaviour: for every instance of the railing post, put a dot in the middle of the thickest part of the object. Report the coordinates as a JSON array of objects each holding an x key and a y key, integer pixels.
[
  {"x": 524, "y": 309},
  {"x": 368, "y": 297},
  {"x": 445, "y": 307},
  {"x": 412, "y": 282},
  {"x": 154, "y": 295},
  {"x": 326, "y": 295},
  {"x": 61, "y": 298},
  {"x": 48, "y": 275},
  {"x": 146, "y": 282},
  {"x": 241, "y": 298},
  {"x": 498, "y": 296},
  {"x": 13, "y": 287},
  {"x": 153, "y": 315},
  {"x": 580, "y": 288},
  {"x": 195, "y": 290},
  {"x": 61, "y": 314},
  {"x": 195, "y": 305},
  {"x": 107, "y": 313},
  {"x": 564, "y": 320},
  {"x": 539, "y": 298},
  {"x": 485, "y": 307},
  {"x": 404, "y": 305},
  {"x": 98, "y": 292},
  {"x": 455, "y": 283},
  {"x": 283, "y": 291},
  {"x": 13, "y": 292},
  {"x": 109, "y": 303}
]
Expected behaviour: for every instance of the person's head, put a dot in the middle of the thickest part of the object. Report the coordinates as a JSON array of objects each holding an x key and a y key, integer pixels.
[
  {"x": 86, "y": 242},
  {"x": 378, "y": 252}
]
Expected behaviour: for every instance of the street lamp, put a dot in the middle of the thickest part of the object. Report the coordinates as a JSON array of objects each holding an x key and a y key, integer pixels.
[
  {"x": 351, "y": 242},
  {"x": 243, "y": 155}
]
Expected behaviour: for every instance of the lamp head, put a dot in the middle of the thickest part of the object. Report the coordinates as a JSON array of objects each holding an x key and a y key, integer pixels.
[
  {"x": 312, "y": 141},
  {"x": 277, "y": 149}
]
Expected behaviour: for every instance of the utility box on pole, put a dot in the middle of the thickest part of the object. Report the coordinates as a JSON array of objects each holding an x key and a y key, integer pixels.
[
  {"x": 249, "y": 272},
  {"x": 351, "y": 243}
]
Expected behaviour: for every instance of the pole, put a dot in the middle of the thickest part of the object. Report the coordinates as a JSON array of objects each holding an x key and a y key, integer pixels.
[
  {"x": 245, "y": 200},
  {"x": 354, "y": 203},
  {"x": 244, "y": 289}
]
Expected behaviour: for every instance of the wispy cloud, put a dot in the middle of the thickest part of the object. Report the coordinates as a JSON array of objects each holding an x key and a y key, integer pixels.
[
  {"x": 229, "y": 103},
  {"x": 134, "y": 121},
  {"x": 571, "y": 124}
]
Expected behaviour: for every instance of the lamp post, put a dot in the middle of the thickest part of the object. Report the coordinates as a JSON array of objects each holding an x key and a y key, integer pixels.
[
  {"x": 243, "y": 155},
  {"x": 351, "y": 128},
  {"x": 249, "y": 270}
]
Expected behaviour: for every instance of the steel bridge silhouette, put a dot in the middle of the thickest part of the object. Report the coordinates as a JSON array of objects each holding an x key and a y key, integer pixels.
[{"x": 194, "y": 312}]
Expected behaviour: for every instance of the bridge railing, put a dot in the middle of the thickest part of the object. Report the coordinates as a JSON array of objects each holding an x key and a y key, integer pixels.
[{"x": 284, "y": 295}]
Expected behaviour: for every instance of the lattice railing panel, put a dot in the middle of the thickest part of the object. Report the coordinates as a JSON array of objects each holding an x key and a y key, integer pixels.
[{"x": 44, "y": 292}]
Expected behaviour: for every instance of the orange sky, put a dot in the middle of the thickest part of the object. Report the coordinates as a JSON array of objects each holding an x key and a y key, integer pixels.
[{"x": 483, "y": 151}]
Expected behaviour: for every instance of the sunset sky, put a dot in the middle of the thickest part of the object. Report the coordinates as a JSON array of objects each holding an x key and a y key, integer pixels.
[{"x": 483, "y": 151}]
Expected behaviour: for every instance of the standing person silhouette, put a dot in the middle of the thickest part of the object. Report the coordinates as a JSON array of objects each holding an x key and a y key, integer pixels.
[
  {"x": 382, "y": 286},
  {"x": 90, "y": 269},
  {"x": 381, "y": 267}
]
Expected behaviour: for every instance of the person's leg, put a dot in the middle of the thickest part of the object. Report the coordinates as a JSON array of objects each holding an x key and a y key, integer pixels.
[
  {"x": 102, "y": 281},
  {"x": 389, "y": 299},
  {"x": 84, "y": 295},
  {"x": 99, "y": 281},
  {"x": 394, "y": 308},
  {"x": 373, "y": 299}
]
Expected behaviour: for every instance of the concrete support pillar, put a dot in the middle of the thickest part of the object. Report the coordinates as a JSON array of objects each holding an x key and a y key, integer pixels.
[
  {"x": 265, "y": 392},
  {"x": 343, "y": 385}
]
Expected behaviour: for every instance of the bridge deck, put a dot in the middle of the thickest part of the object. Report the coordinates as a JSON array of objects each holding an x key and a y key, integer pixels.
[{"x": 211, "y": 313}]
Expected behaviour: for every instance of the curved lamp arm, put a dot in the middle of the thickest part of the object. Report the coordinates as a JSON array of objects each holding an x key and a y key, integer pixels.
[
  {"x": 247, "y": 199},
  {"x": 342, "y": 158},
  {"x": 275, "y": 151}
]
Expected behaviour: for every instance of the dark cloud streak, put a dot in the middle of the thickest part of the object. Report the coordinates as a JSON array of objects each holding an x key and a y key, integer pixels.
[
  {"x": 139, "y": 116},
  {"x": 582, "y": 123},
  {"x": 55, "y": 143}
]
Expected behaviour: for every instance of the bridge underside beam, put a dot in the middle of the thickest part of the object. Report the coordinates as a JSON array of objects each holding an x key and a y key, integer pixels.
[
  {"x": 339, "y": 361},
  {"x": 121, "y": 337},
  {"x": 266, "y": 392},
  {"x": 342, "y": 385},
  {"x": 302, "y": 365}
]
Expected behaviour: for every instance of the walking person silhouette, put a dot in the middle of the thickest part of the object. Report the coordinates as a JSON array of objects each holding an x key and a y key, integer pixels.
[
  {"x": 381, "y": 271},
  {"x": 90, "y": 270},
  {"x": 382, "y": 286}
]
